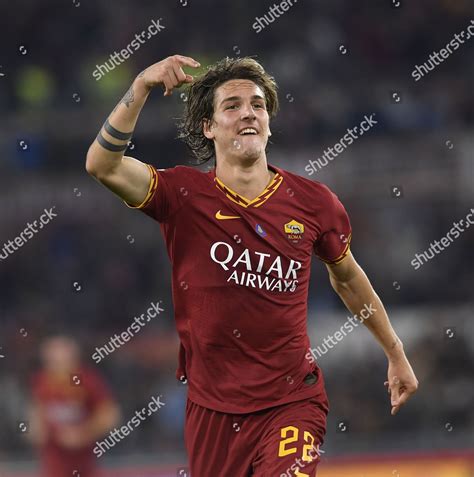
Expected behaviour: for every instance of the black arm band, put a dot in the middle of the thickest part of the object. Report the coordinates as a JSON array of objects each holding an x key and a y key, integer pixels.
[
  {"x": 115, "y": 133},
  {"x": 109, "y": 146}
]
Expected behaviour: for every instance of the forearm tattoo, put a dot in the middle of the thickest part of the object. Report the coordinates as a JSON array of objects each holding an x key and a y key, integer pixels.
[{"x": 128, "y": 98}]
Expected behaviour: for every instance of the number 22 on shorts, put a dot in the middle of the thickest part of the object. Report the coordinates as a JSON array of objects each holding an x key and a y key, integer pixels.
[{"x": 289, "y": 435}]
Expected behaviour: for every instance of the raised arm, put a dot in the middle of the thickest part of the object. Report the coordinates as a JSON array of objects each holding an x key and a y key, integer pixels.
[{"x": 125, "y": 176}]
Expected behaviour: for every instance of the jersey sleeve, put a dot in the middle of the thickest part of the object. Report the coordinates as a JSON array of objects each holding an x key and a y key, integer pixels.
[
  {"x": 165, "y": 193},
  {"x": 333, "y": 243}
]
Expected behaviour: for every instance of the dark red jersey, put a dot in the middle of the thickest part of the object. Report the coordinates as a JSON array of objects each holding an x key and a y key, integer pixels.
[
  {"x": 241, "y": 272},
  {"x": 65, "y": 401}
]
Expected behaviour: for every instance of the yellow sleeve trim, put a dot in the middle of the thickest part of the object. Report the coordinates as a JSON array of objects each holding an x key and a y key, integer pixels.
[
  {"x": 342, "y": 256},
  {"x": 151, "y": 190}
]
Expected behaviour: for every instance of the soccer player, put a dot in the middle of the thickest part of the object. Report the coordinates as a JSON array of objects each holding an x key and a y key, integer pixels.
[
  {"x": 240, "y": 238},
  {"x": 72, "y": 407}
]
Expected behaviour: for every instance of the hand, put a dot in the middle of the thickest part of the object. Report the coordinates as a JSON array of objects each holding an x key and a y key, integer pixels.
[
  {"x": 168, "y": 72},
  {"x": 402, "y": 382}
]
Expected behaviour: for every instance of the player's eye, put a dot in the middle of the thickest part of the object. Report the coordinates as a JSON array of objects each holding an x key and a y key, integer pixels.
[{"x": 256, "y": 105}]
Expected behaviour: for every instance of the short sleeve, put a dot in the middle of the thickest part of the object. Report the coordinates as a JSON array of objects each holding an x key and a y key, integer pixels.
[
  {"x": 333, "y": 243},
  {"x": 163, "y": 195}
]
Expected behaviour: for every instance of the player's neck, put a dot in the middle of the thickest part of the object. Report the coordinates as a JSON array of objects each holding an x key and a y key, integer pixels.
[{"x": 248, "y": 181}]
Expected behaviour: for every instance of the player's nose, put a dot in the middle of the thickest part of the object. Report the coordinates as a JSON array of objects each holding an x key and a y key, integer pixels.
[{"x": 247, "y": 112}]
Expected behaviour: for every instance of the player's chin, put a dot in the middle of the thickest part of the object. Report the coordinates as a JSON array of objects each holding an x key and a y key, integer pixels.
[
  {"x": 252, "y": 154},
  {"x": 252, "y": 148}
]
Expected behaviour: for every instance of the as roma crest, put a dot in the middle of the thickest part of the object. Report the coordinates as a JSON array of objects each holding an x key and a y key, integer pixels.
[{"x": 294, "y": 231}]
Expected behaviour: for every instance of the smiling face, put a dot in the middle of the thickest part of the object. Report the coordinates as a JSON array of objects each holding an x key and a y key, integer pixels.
[{"x": 240, "y": 124}]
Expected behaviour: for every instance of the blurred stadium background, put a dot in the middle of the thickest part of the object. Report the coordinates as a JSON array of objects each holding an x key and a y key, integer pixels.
[{"x": 422, "y": 144}]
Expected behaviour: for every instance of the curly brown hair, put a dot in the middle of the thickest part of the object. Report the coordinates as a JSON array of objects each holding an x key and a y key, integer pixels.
[{"x": 200, "y": 102}]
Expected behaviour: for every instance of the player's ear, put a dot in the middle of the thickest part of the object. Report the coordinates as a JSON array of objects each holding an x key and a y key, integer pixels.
[{"x": 206, "y": 128}]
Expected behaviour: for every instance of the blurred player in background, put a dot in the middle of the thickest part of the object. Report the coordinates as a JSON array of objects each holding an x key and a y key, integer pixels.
[
  {"x": 240, "y": 238},
  {"x": 71, "y": 408}
]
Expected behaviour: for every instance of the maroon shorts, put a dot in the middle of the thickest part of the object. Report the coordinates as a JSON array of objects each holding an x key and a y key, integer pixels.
[
  {"x": 281, "y": 441},
  {"x": 68, "y": 463}
]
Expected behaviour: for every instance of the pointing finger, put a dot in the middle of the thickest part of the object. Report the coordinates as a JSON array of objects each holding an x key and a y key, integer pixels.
[{"x": 186, "y": 60}]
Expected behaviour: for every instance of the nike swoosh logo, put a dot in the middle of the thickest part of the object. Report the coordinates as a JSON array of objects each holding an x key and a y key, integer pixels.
[{"x": 219, "y": 216}]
